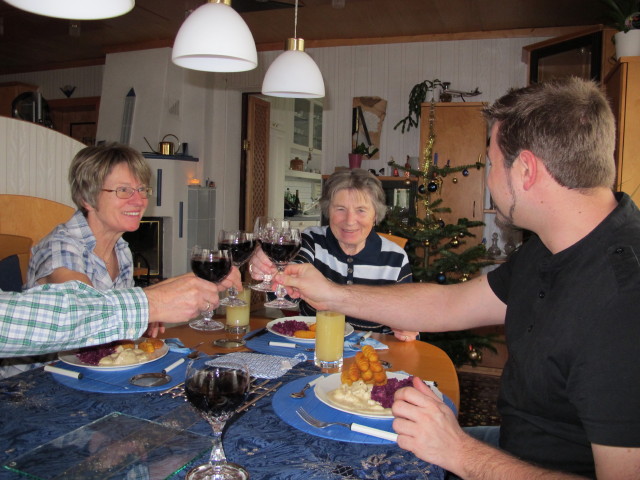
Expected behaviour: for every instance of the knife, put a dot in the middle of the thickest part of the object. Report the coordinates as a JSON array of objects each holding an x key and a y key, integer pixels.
[{"x": 257, "y": 333}]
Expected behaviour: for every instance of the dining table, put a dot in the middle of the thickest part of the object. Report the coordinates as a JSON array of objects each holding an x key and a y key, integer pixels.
[{"x": 101, "y": 426}]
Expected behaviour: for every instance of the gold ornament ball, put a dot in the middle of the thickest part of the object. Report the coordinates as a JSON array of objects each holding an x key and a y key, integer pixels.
[{"x": 454, "y": 180}]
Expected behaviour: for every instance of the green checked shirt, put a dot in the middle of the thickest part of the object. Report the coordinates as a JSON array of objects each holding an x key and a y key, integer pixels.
[{"x": 51, "y": 318}]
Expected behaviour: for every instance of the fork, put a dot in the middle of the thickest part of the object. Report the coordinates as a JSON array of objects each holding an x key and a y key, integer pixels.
[{"x": 356, "y": 427}]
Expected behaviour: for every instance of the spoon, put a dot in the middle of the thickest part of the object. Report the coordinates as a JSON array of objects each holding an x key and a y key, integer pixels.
[{"x": 300, "y": 394}]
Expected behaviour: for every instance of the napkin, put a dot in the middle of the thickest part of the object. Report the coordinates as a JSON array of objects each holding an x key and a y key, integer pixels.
[
  {"x": 175, "y": 345},
  {"x": 350, "y": 343},
  {"x": 265, "y": 366}
]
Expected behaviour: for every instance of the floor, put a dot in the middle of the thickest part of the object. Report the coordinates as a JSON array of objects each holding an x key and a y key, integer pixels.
[{"x": 478, "y": 399}]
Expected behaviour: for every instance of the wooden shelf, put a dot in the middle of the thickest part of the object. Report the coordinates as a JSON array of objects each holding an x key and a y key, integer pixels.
[{"x": 184, "y": 158}]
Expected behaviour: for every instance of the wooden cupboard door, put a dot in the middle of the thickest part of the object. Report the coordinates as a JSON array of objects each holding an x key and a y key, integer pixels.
[
  {"x": 460, "y": 139},
  {"x": 623, "y": 89},
  {"x": 257, "y": 165}
]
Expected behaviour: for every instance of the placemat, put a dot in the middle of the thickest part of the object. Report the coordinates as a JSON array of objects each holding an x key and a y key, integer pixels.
[
  {"x": 261, "y": 344},
  {"x": 118, "y": 381},
  {"x": 285, "y": 407}
]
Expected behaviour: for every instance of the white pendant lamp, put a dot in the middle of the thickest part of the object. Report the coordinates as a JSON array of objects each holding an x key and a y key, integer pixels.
[
  {"x": 293, "y": 74},
  {"x": 215, "y": 38},
  {"x": 75, "y": 9}
]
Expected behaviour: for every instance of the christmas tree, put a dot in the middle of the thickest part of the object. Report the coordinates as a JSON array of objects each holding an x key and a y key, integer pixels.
[{"x": 436, "y": 250}]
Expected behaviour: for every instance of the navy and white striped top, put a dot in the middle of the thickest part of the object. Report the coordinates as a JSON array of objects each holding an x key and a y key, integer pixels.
[{"x": 380, "y": 262}]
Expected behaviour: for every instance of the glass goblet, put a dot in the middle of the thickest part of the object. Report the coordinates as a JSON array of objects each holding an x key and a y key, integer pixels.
[
  {"x": 216, "y": 386},
  {"x": 281, "y": 246},
  {"x": 241, "y": 244},
  {"x": 262, "y": 225},
  {"x": 214, "y": 266}
]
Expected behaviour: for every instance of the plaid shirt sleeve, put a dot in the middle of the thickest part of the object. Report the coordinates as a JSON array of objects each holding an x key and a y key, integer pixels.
[{"x": 57, "y": 317}]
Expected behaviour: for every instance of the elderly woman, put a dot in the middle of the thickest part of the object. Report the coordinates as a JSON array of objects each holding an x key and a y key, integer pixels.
[
  {"x": 109, "y": 184},
  {"x": 349, "y": 250}
]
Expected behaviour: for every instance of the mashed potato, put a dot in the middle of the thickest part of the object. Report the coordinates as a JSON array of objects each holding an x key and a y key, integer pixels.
[
  {"x": 123, "y": 356},
  {"x": 357, "y": 397}
]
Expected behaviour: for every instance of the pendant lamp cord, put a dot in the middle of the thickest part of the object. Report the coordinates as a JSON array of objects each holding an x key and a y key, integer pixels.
[{"x": 295, "y": 22}]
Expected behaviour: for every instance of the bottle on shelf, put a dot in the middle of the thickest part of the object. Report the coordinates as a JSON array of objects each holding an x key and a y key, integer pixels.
[
  {"x": 296, "y": 203},
  {"x": 407, "y": 167}
]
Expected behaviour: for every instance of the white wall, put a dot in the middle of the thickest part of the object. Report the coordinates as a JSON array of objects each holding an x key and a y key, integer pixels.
[{"x": 209, "y": 117}]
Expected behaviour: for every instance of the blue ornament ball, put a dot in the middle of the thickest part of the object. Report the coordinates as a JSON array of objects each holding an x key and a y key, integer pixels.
[
  {"x": 441, "y": 278},
  {"x": 432, "y": 187},
  {"x": 465, "y": 172}
]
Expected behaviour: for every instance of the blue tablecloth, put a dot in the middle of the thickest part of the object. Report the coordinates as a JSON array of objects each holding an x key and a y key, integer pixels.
[{"x": 36, "y": 409}]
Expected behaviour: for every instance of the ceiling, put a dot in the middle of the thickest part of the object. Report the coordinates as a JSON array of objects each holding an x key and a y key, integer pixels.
[{"x": 31, "y": 42}]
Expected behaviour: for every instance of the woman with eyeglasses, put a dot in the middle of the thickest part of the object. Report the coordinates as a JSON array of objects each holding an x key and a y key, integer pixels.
[{"x": 109, "y": 184}]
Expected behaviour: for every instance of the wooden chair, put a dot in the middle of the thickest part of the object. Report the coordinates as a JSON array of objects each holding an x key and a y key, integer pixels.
[
  {"x": 24, "y": 221},
  {"x": 394, "y": 238}
]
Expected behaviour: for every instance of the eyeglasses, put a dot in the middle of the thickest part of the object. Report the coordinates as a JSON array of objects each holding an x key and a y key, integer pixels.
[{"x": 127, "y": 192}]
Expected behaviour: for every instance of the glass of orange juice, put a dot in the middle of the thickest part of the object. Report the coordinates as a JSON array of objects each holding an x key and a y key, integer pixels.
[{"x": 329, "y": 339}]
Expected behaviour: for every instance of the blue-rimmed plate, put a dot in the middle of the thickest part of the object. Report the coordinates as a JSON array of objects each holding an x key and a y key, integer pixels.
[{"x": 348, "y": 328}]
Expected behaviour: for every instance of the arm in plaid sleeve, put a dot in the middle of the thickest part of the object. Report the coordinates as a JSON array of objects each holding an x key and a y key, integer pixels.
[{"x": 58, "y": 317}]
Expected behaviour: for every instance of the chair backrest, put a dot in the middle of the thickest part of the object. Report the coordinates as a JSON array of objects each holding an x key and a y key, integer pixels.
[
  {"x": 394, "y": 238},
  {"x": 19, "y": 246},
  {"x": 31, "y": 218}
]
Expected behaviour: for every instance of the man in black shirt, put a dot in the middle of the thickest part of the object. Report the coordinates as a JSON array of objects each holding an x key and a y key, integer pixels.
[{"x": 570, "y": 395}]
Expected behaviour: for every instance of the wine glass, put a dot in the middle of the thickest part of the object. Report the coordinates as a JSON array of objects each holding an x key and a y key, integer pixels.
[
  {"x": 241, "y": 245},
  {"x": 213, "y": 265},
  {"x": 281, "y": 245},
  {"x": 216, "y": 386},
  {"x": 261, "y": 224}
]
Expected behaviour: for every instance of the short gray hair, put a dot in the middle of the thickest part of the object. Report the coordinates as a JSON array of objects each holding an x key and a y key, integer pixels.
[
  {"x": 355, "y": 179},
  {"x": 91, "y": 166}
]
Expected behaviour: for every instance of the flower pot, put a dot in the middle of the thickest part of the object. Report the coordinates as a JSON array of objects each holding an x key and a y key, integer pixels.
[
  {"x": 627, "y": 44},
  {"x": 355, "y": 160}
]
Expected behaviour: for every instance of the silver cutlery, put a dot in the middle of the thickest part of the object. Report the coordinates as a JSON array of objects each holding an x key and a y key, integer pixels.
[
  {"x": 301, "y": 393},
  {"x": 290, "y": 345},
  {"x": 355, "y": 427},
  {"x": 363, "y": 338}
]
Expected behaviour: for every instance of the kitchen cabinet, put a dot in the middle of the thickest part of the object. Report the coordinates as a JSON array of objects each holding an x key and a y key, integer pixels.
[
  {"x": 623, "y": 88},
  {"x": 307, "y": 125},
  {"x": 460, "y": 139}
]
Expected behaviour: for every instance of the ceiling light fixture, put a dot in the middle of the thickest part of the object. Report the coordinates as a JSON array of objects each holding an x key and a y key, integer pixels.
[
  {"x": 215, "y": 38},
  {"x": 75, "y": 9},
  {"x": 294, "y": 73}
]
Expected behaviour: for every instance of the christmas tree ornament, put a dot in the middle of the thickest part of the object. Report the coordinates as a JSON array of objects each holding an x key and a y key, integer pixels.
[
  {"x": 441, "y": 223},
  {"x": 426, "y": 243},
  {"x": 465, "y": 172},
  {"x": 465, "y": 277},
  {"x": 441, "y": 278},
  {"x": 474, "y": 354},
  {"x": 432, "y": 187},
  {"x": 454, "y": 242},
  {"x": 422, "y": 189},
  {"x": 454, "y": 179}
]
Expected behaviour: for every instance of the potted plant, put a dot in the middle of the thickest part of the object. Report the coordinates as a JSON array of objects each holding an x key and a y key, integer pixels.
[
  {"x": 359, "y": 151},
  {"x": 624, "y": 15}
]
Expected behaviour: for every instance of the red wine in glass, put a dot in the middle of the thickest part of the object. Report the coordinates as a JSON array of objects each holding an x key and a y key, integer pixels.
[
  {"x": 215, "y": 269},
  {"x": 241, "y": 251},
  {"x": 281, "y": 252}
]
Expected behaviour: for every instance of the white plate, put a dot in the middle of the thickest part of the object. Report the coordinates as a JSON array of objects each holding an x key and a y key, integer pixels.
[
  {"x": 70, "y": 358},
  {"x": 331, "y": 382},
  {"x": 348, "y": 328}
]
